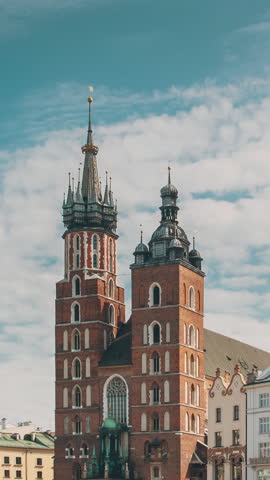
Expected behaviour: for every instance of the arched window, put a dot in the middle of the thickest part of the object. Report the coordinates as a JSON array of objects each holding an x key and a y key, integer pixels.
[
  {"x": 185, "y": 362},
  {"x": 187, "y": 422},
  {"x": 111, "y": 288},
  {"x": 145, "y": 339},
  {"x": 192, "y": 426},
  {"x": 166, "y": 391},
  {"x": 155, "y": 363},
  {"x": 191, "y": 298},
  {"x": 184, "y": 294},
  {"x": 84, "y": 450},
  {"x": 155, "y": 295},
  {"x": 65, "y": 340},
  {"x": 198, "y": 395},
  {"x": 77, "y": 245},
  {"x": 77, "y": 397},
  {"x": 144, "y": 366},
  {"x": 143, "y": 422},
  {"x": 147, "y": 449},
  {"x": 198, "y": 423},
  {"x": 95, "y": 263},
  {"x": 166, "y": 421},
  {"x": 95, "y": 242},
  {"x": 192, "y": 366},
  {"x": 198, "y": 367},
  {"x": 66, "y": 368},
  {"x": 66, "y": 425},
  {"x": 116, "y": 399},
  {"x": 75, "y": 312},
  {"x": 87, "y": 424},
  {"x": 87, "y": 367},
  {"x": 167, "y": 361},
  {"x": 88, "y": 395},
  {"x": 192, "y": 395},
  {"x": 76, "y": 286},
  {"x": 111, "y": 314},
  {"x": 155, "y": 422},
  {"x": 186, "y": 392},
  {"x": 168, "y": 332},
  {"x": 191, "y": 335},
  {"x": 76, "y": 340},
  {"x": 185, "y": 333},
  {"x": 156, "y": 333},
  {"x": 143, "y": 392},
  {"x": 86, "y": 338},
  {"x": 155, "y": 393},
  {"x": 65, "y": 397},
  {"x": 76, "y": 368},
  {"x": 111, "y": 255},
  {"x": 198, "y": 338},
  {"x": 78, "y": 425}
]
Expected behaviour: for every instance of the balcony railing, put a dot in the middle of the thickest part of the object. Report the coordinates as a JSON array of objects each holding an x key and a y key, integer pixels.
[{"x": 259, "y": 461}]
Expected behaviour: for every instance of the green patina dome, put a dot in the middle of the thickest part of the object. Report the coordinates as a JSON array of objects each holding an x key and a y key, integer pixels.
[{"x": 110, "y": 423}]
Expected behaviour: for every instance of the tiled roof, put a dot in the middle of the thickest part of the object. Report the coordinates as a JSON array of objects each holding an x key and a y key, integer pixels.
[
  {"x": 42, "y": 441},
  {"x": 224, "y": 352},
  {"x": 220, "y": 352}
]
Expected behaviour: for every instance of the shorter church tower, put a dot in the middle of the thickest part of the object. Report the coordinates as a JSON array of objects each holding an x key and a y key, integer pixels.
[
  {"x": 168, "y": 399},
  {"x": 89, "y": 312}
]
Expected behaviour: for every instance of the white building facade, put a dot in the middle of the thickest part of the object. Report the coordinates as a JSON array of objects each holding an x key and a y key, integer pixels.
[
  {"x": 258, "y": 427},
  {"x": 227, "y": 428}
]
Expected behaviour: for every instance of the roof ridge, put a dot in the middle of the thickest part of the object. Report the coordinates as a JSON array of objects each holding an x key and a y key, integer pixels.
[{"x": 235, "y": 340}]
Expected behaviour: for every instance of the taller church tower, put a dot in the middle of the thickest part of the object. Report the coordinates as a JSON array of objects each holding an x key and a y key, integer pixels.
[
  {"x": 168, "y": 400},
  {"x": 89, "y": 312}
]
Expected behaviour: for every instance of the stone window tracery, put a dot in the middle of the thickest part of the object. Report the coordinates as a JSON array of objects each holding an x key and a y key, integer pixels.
[{"x": 116, "y": 399}]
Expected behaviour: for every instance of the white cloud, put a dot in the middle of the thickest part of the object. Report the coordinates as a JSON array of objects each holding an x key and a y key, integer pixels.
[{"x": 218, "y": 148}]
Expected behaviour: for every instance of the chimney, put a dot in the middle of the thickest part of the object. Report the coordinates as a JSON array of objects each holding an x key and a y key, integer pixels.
[
  {"x": 4, "y": 423},
  {"x": 251, "y": 376}
]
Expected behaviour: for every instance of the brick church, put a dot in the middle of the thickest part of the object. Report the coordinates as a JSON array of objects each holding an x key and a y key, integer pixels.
[{"x": 130, "y": 395}]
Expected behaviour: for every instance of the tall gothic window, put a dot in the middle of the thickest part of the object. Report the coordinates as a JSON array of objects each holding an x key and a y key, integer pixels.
[
  {"x": 76, "y": 313},
  {"x": 78, "y": 426},
  {"x": 156, "y": 333},
  {"x": 155, "y": 363},
  {"x": 116, "y": 397},
  {"x": 95, "y": 260},
  {"x": 155, "y": 423},
  {"x": 111, "y": 288},
  {"x": 95, "y": 242},
  {"x": 77, "y": 286},
  {"x": 111, "y": 315},
  {"x": 76, "y": 341},
  {"x": 77, "y": 397},
  {"x": 76, "y": 368},
  {"x": 111, "y": 255},
  {"x": 156, "y": 296}
]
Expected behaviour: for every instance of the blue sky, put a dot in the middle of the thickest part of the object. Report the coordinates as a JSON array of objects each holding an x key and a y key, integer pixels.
[{"x": 179, "y": 82}]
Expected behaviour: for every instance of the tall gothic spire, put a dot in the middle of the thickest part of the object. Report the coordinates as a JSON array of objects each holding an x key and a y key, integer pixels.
[
  {"x": 90, "y": 180},
  {"x": 85, "y": 206}
]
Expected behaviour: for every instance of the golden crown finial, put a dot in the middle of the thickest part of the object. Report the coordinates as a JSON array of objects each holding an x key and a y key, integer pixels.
[{"x": 91, "y": 89}]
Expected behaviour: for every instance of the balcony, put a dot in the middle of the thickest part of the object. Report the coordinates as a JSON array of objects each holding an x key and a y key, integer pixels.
[{"x": 259, "y": 461}]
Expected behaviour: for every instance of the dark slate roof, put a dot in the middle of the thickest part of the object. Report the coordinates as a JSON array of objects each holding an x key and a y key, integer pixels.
[
  {"x": 224, "y": 352},
  {"x": 220, "y": 352},
  {"x": 119, "y": 352}
]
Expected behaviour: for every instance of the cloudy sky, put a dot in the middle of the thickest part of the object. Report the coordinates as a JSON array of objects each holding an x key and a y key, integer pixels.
[{"x": 180, "y": 82}]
